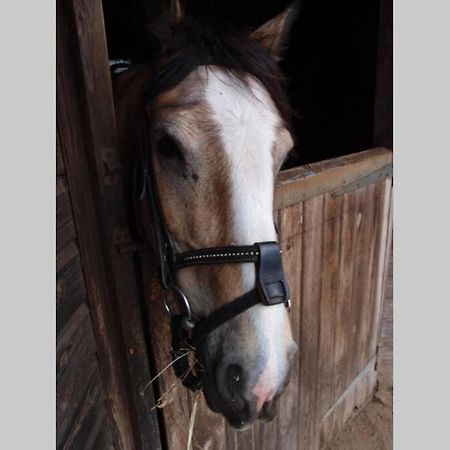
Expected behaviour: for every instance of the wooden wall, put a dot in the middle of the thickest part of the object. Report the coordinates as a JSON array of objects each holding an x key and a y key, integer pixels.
[
  {"x": 80, "y": 399},
  {"x": 102, "y": 351},
  {"x": 334, "y": 220}
]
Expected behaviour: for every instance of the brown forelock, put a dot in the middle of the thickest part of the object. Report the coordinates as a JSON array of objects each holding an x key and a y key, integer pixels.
[{"x": 202, "y": 215}]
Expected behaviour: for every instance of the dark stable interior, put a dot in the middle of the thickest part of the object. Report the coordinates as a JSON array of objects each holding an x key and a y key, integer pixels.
[{"x": 330, "y": 62}]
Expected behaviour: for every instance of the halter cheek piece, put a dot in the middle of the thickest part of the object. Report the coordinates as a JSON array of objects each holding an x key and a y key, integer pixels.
[{"x": 189, "y": 331}]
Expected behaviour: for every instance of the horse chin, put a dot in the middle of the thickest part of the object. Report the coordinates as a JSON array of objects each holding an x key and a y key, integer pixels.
[{"x": 215, "y": 404}]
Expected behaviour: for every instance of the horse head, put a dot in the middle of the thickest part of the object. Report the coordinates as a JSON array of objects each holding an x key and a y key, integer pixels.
[{"x": 216, "y": 131}]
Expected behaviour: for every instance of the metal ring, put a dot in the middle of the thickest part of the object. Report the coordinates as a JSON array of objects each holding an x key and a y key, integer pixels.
[
  {"x": 183, "y": 297},
  {"x": 166, "y": 305}
]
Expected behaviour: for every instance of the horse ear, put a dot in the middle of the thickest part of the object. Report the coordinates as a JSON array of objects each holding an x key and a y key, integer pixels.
[
  {"x": 162, "y": 17},
  {"x": 176, "y": 12},
  {"x": 273, "y": 34}
]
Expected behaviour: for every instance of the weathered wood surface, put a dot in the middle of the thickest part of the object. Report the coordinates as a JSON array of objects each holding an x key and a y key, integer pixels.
[
  {"x": 334, "y": 230},
  {"x": 96, "y": 270},
  {"x": 80, "y": 406}
]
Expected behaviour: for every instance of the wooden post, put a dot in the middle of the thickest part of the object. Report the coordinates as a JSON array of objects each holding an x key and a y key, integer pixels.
[{"x": 86, "y": 130}]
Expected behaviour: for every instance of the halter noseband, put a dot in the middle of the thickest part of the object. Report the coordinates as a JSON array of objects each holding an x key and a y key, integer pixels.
[{"x": 188, "y": 331}]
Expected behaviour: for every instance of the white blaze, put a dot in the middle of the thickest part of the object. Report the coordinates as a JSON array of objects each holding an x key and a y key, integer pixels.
[{"x": 247, "y": 121}]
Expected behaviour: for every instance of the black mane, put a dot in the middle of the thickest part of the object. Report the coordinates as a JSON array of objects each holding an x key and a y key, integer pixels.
[{"x": 194, "y": 44}]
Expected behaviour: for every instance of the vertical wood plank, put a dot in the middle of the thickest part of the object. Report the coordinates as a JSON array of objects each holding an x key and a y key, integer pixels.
[
  {"x": 86, "y": 131},
  {"x": 240, "y": 440},
  {"x": 330, "y": 284},
  {"x": 312, "y": 241},
  {"x": 291, "y": 224},
  {"x": 365, "y": 251},
  {"x": 212, "y": 436},
  {"x": 355, "y": 300},
  {"x": 384, "y": 251},
  {"x": 344, "y": 294},
  {"x": 379, "y": 227}
]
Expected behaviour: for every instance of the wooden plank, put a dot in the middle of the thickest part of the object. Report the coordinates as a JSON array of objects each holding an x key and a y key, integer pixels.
[
  {"x": 372, "y": 178},
  {"x": 209, "y": 429},
  {"x": 115, "y": 202},
  {"x": 312, "y": 251},
  {"x": 381, "y": 253},
  {"x": 66, "y": 255},
  {"x": 359, "y": 280},
  {"x": 59, "y": 160},
  {"x": 70, "y": 291},
  {"x": 266, "y": 434},
  {"x": 348, "y": 404},
  {"x": 290, "y": 222},
  {"x": 89, "y": 421},
  {"x": 78, "y": 383},
  {"x": 302, "y": 183},
  {"x": 241, "y": 440},
  {"x": 330, "y": 286},
  {"x": 76, "y": 146},
  {"x": 384, "y": 261},
  {"x": 364, "y": 254},
  {"x": 95, "y": 422},
  {"x": 344, "y": 294},
  {"x": 65, "y": 227},
  {"x": 91, "y": 152}
]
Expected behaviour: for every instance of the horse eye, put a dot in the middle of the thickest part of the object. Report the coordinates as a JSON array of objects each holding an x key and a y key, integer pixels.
[{"x": 169, "y": 148}]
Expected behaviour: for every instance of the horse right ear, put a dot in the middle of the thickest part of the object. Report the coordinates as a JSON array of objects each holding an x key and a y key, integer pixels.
[{"x": 273, "y": 34}]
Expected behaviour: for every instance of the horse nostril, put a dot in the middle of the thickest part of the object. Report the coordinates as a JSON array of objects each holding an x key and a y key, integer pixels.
[{"x": 234, "y": 381}]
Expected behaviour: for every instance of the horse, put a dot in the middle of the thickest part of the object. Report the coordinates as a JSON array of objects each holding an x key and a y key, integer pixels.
[{"x": 211, "y": 118}]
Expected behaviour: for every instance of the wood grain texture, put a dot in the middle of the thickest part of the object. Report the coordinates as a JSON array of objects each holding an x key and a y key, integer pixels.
[
  {"x": 301, "y": 183},
  {"x": 344, "y": 294},
  {"x": 291, "y": 222},
  {"x": 86, "y": 146},
  {"x": 81, "y": 412},
  {"x": 328, "y": 303},
  {"x": 311, "y": 291},
  {"x": 348, "y": 404}
]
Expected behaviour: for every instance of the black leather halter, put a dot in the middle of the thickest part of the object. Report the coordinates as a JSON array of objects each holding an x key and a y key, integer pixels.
[{"x": 188, "y": 330}]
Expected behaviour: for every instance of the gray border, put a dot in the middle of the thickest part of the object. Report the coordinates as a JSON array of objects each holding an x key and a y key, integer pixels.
[
  {"x": 421, "y": 224},
  {"x": 27, "y": 218}
]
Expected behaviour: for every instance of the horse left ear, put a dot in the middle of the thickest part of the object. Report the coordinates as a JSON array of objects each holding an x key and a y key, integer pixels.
[
  {"x": 273, "y": 34},
  {"x": 176, "y": 12}
]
